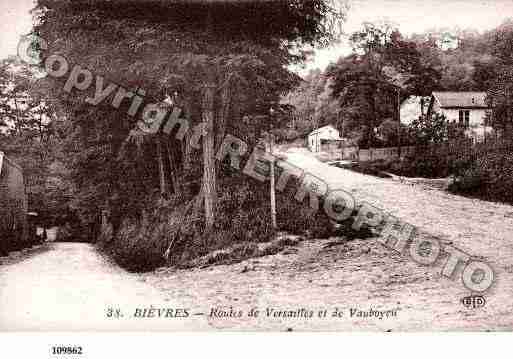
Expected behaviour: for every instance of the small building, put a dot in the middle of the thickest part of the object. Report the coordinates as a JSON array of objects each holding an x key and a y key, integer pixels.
[
  {"x": 324, "y": 139},
  {"x": 466, "y": 109},
  {"x": 13, "y": 206}
]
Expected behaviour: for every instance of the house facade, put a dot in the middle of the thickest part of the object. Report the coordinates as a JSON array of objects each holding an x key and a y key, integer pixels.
[
  {"x": 324, "y": 139},
  {"x": 466, "y": 109}
]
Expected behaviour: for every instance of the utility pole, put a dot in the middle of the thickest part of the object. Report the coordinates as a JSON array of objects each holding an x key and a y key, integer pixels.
[
  {"x": 162, "y": 173},
  {"x": 398, "y": 122},
  {"x": 209, "y": 169},
  {"x": 271, "y": 172},
  {"x": 317, "y": 144},
  {"x": 343, "y": 132},
  {"x": 343, "y": 124}
]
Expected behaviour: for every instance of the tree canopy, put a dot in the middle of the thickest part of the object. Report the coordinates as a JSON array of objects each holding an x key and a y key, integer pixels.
[{"x": 171, "y": 51}]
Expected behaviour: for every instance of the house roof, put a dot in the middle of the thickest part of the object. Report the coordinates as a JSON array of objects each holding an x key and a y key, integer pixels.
[
  {"x": 325, "y": 135},
  {"x": 323, "y": 128},
  {"x": 461, "y": 99},
  {"x": 5, "y": 159}
]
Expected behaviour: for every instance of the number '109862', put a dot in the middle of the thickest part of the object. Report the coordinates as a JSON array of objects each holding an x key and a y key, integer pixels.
[{"x": 66, "y": 350}]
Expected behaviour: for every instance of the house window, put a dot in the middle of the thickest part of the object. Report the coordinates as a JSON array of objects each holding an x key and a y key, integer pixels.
[
  {"x": 464, "y": 118},
  {"x": 488, "y": 118}
]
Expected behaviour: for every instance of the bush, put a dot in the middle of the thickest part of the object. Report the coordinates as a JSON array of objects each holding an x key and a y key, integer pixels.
[
  {"x": 425, "y": 164},
  {"x": 137, "y": 246},
  {"x": 243, "y": 220},
  {"x": 470, "y": 180},
  {"x": 489, "y": 177}
]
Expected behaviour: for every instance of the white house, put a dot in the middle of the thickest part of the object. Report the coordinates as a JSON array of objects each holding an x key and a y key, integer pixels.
[
  {"x": 467, "y": 109},
  {"x": 324, "y": 139}
]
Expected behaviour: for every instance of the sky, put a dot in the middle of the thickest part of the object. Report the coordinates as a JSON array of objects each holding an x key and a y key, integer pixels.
[
  {"x": 411, "y": 16},
  {"x": 15, "y": 21},
  {"x": 416, "y": 16}
]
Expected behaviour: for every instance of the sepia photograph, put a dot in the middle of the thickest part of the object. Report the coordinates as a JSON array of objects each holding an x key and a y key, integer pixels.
[{"x": 255, "y": 166}]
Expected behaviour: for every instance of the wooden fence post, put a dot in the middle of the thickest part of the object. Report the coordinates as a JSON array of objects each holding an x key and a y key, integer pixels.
[
  {"x": 273, "y": 187},
  {"x": 209, "y": 169}
]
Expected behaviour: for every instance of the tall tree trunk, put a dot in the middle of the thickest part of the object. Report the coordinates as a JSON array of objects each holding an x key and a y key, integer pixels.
[
  {"x": 209, "y": 169},
  {"x": 187, "y": 147},
  {"x": 223, "y": 115},
  {"x": 41, "y": 137},
  {"x": 173, "y": 169},
  {"x": 374, "y": 117},
  {"x": 18, "y": 123},
  {"x": 224, "y": 111}
]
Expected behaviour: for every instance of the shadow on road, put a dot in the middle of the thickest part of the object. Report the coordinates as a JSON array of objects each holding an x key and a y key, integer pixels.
[{"x": 20, "y": 256}]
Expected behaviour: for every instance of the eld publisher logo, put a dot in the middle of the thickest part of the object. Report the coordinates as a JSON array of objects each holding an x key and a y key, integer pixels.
[{"x": 473, "y": 301}]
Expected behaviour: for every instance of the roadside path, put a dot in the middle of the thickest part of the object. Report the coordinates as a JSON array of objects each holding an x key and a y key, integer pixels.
[{"x": 69, "y": 287}]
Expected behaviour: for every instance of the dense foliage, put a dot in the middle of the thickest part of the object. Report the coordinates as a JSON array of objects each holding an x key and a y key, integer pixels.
[
  {"x": 32, "y": 136},
  {"x": 176, "y": 52},
  {"x": 487, "y": 174}
]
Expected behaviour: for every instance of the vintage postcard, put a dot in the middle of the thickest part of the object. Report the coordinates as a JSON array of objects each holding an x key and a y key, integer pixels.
[{"x": 256, "y": 165}]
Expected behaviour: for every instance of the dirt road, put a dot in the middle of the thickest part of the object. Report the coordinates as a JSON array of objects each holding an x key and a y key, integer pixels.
[
  {"x": 481, "y": 228},
  {"x": 70, "y": 286}
]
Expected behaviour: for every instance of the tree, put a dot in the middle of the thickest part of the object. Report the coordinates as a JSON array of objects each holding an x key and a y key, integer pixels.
[
  {"x": 312, "y": 103},
  {"x": 500, "y": 92},
  {"x": 428, "y": 130},
  {"x": 31, "y": 137},
  {"x": 220, "y": 68},
  {"x": 366, "y": 82}
]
